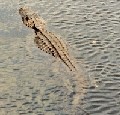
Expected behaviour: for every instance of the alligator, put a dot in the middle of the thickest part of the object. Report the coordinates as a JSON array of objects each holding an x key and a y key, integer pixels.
[
  {"x": 55, "y": 46},
  {"x": 45, "y": 40}
]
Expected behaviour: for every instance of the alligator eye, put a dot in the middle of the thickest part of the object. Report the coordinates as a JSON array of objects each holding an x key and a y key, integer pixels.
[{"x": 27, "y": 18}]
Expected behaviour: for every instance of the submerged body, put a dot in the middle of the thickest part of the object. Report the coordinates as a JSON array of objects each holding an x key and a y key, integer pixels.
[
  {"x": 46, "y": 41},
  {"x": 55, "y": 46}
]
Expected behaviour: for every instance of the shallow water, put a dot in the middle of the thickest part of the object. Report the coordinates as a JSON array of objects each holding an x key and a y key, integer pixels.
[{"x": 31, "y": 82}]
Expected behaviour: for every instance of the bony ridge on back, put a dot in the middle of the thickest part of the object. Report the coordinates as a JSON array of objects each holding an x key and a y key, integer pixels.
[{"x": 45, "y": 40}]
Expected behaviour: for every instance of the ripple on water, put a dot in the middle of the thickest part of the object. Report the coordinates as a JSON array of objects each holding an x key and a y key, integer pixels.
[{"x": 29, "y": 85}]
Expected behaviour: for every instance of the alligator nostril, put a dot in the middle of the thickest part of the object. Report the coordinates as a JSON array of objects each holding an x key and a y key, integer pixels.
[{"x": 22, "y": 19}]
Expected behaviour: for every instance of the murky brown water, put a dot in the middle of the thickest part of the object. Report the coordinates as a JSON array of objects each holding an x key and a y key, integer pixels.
[{"x": 34, "y": 83}]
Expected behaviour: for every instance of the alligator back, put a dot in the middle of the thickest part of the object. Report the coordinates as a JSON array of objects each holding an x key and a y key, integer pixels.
[{"x": 46, "y": 41}]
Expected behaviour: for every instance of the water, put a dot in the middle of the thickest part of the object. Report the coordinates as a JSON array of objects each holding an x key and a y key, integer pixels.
[{"x": 29, "y": 85}]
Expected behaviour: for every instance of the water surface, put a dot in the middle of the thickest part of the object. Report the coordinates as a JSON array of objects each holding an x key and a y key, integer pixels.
[{"x": 34, "y": 83}]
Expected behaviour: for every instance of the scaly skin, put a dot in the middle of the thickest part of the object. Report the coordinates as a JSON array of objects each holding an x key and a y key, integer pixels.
[
  {"x": 54, "y": 45},
  {"x": 46, "y": 41}
]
